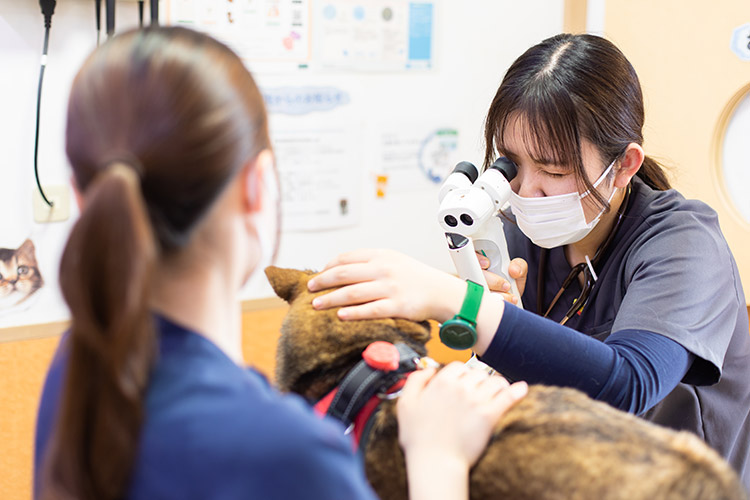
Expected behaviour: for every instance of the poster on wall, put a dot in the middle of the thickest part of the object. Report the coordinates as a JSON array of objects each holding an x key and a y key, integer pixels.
[
  {"x": 415, "y": 157},
  {"x": 268, "y": 33},
  {"x": 29, "y": 263},
  {"x": 279, "y": 35},
  {"x": 373, "y": 35},
  {"x": 20, "y": 278},
  {"x": 318, "y": 175}
]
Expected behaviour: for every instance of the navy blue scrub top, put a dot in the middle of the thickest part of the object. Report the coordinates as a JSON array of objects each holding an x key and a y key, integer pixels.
[{"x": 669, "y": 271}]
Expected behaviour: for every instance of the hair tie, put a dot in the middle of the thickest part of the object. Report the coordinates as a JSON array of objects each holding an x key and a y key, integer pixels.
[{"x": 128, "y": 162}]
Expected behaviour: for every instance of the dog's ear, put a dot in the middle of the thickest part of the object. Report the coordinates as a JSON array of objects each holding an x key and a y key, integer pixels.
[{"x": 286, "y": 282}]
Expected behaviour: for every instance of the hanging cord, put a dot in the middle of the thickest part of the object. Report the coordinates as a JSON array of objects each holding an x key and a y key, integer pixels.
[
  {"x": 110, "y": 5},
  {"x": 98, "y": 7},
  {"x": 48, "y": 8},
  {"x": 154, "y": 12}
]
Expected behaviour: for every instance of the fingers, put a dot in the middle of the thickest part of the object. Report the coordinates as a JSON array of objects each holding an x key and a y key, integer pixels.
[
  {"x": 471, "y": 379},
  {"x": 518, "y": 269},
  {"x": 496, "y": 282},
  {"x": 340, "y": 275},
  {"x": 353, "y": 257},
  {"x": 506, "y": 397},
  {"x": 452, "y": 413},
  {"x": 377, "y": 309},
  {"x": 358, "y": 293},
  {"x": 349, "y": 267},
  {"x": 416, "y": 382},
  {"x": 484, "y": 262},
  {"x": 499, "y": 284}
]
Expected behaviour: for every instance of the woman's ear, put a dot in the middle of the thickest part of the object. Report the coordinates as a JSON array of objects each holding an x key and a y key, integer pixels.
[
  {"x": 259, "y": 176},
  {"x": 77, "y": 193},
  {"x": 630, "y": 163}
]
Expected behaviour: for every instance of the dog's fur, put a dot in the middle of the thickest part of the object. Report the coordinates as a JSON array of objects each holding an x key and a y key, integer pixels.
[{"x": 555, "y": 444}]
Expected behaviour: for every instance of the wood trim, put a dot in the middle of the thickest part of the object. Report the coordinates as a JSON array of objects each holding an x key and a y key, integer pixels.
[
  {"x": 263, "y": 304},
  {"x": 55, "y": 328},
  {"x": 574, "y": 16},
  {"x": 31, "y": 332}
]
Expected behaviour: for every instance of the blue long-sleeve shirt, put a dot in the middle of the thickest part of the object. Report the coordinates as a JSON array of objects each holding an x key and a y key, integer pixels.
[
  {"x": 215, "y": 430},
  {"x": 631, "y": 370}
]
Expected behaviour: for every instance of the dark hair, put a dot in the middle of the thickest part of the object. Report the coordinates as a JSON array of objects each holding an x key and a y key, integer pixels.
[
  {"x": 159, "y": 121},
  {"x": 568, "y": 88}
]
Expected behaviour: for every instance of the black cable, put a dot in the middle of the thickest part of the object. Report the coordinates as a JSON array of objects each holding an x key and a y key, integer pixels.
[
  {"x": 48, "y": 8},
  {"x": 140, "y": 13},
  {"x": 110, "y": 18},
  {"x": 154, "y": 12},
  {"x": 98, "y": 5}
]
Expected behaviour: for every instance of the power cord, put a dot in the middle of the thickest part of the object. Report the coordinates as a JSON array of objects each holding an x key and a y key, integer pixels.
[
  {"x": 154, "y": 12},
  {"x": 48, "y": 9},
  {"x": 110, "y": 4},
  {"x": 98, "y": 8}
]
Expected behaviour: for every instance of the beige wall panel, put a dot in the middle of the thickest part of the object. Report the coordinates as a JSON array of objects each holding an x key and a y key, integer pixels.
[{"x": 680, "y": 49}]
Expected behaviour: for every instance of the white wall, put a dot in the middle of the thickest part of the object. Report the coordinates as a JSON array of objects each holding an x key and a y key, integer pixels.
[{"x": 475, "y": 42}]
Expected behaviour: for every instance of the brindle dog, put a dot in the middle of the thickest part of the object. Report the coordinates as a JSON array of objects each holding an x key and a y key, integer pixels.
[{"x": 555, "y": 444}]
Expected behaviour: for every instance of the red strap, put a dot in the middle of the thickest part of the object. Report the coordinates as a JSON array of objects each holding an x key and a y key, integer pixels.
[
  {"x": 321, "y": 407},
  {"x": 360, "y": 421}
]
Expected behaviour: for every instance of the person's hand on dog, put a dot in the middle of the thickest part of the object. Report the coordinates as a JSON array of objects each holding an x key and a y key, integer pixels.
[
  {"x": 445, "y": 422},
  {"x": 388, "y": 284},
  {"x": 518, "y": 269}
]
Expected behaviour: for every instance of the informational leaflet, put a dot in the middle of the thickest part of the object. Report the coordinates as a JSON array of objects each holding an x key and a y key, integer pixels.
[
  {"x": 415, "y": 157},
  {"x": 319, "y": 177},
  {"x": 260, "y": 31},
  {"x": 359, "y": 35},
  {"x": 373, "y": 35}
]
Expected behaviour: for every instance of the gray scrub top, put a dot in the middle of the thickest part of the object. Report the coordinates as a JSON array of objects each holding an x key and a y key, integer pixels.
[{"x": 668, "y": 270}]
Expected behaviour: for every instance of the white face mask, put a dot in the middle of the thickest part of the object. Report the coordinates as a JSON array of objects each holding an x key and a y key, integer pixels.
[{"x": 553, "y": 221}]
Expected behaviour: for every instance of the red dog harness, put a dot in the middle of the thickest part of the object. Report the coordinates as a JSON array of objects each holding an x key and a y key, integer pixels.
[{"x": 380, "y": 375}]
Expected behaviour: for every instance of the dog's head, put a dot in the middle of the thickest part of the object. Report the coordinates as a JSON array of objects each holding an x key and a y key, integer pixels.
[{"x": 316, "y": 349}]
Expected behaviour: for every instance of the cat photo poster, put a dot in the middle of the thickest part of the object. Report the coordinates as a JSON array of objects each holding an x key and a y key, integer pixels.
[{"x": 20, "y": 277}]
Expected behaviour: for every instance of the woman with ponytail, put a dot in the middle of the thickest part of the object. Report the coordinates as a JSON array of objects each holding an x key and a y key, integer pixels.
[
  {"x": 147, "y": 397},
  {"x": 630, "y": 292}
]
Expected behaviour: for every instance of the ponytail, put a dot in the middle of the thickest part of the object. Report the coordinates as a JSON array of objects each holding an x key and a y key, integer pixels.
[
  {"x": 105, "y": 277},
  {"x": 653, "y": 174}
]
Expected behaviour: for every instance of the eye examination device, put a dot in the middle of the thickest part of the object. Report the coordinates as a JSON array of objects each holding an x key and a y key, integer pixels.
[{"x": 469, "y": 214}]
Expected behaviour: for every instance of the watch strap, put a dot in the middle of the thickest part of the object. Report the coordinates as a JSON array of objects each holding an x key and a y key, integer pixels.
[{"x": 472, "y": 301}]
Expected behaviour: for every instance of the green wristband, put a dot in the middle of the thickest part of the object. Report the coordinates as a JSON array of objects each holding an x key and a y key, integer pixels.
[{"x": 460, "y": 332}]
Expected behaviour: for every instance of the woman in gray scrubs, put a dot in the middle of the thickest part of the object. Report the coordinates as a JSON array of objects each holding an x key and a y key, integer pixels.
[{"x": 631, "y": 292}]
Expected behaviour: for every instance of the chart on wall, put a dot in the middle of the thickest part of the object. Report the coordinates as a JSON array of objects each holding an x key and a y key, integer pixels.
[
  {"x": 279, "y": 35},
  {"x": 264, "y": 31},
  {"x": 382, "y": 35}
]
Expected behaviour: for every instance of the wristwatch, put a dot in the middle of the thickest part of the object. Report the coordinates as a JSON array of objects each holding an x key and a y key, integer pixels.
[{"x": 460, "y": 332}]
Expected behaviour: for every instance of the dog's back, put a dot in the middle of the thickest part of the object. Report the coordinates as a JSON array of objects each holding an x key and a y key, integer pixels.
[{"x": 559, "y": 444}]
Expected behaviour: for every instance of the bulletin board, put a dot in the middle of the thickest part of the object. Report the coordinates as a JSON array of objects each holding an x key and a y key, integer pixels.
[
  {"x": 695, "y": 73},
  {"x": 371, "y": 103}
]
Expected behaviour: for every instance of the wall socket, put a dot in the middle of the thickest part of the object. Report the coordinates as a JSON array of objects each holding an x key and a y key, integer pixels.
[{"x": 59, "y": 195}]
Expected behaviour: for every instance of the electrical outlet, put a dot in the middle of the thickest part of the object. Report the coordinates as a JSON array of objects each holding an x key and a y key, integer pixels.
[{"x": 59, "y": 195}]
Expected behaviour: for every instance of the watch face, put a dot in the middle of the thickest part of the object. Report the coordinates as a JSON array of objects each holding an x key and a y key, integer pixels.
[{"x": 458, "y": 334}]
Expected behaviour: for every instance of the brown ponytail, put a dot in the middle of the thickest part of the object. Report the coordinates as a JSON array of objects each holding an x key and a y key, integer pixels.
[
  {"x": 105, "y": 275},
  {"x": 654, "y": 175},
  {"x": 159, "y": 121}
]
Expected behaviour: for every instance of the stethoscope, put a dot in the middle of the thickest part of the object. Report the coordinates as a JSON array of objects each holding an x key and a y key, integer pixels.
[{"x": 588, "y": 269}]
